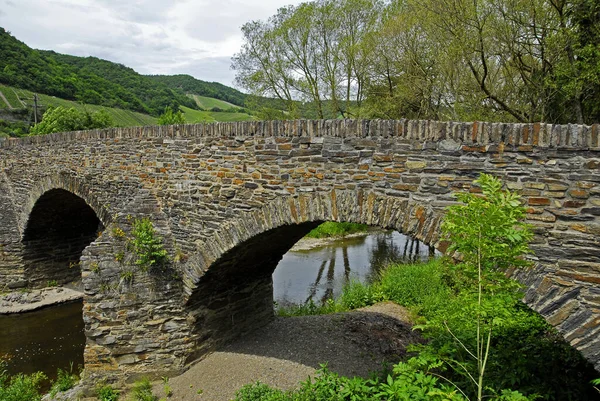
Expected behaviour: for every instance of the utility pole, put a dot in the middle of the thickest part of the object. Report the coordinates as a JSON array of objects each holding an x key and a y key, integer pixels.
[{"x": 35, "y": 107}]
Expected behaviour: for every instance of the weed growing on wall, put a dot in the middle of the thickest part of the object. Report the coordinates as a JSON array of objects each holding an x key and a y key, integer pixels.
[{"x": 147, "y": 245}]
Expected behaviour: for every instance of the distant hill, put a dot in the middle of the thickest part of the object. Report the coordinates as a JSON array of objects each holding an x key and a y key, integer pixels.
[
  {"x": 191, "y": 85},
  {"x": 85, "y": 79},
  {"x": 72, "y": 81}
]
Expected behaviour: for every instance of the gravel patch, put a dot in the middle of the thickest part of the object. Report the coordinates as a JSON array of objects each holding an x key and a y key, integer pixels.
[
  {"x": 26, "y": 301},
  {"x": 291, "y": 349}
]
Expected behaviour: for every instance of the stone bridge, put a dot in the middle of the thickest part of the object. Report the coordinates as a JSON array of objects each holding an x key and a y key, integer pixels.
[{"x": 229, "y": 199}]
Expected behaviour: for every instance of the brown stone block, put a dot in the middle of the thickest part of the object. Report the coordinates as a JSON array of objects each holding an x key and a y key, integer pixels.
[
  {"x": 394, "y": 170},
  {"x": 579, "y": 277},
  {"x": 360, "y": 177},
  {"x": 525, "y": 148},
  {"x": 415, "y": 165},
  {"x": 535, "y": 185},
  {"x": 536, "y": 134},
  {"x": 287, "y": 146},
  {"x": 479, "y": 149},
  {"x": 586, "y": 185},
  {"x": 524, "y": 160},
  {"x": 595, "y": 132},
  {"x": 573, "y": 204},
  {"x": 382, "y": 158},
  {"x": 531, "y": 192},
  {"x": 538, "y": 201},
  {"x": 533, "y": 210},
  {"x": 580, "y": 194},
  {"x": 405, "y": 187},
  {"x": 563, "y": 313},
  {"x": 545, "y": 217},
  {"x": 555, "y": 195}
]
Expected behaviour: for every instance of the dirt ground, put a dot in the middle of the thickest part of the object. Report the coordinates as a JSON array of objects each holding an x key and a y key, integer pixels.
[{"x": 289, "y": 350}]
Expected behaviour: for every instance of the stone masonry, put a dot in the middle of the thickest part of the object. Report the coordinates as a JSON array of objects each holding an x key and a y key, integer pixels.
[{"x": 229, "y": 199}]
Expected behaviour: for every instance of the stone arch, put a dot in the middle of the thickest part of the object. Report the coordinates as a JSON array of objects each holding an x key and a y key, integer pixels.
[
  {"x": 59, "y": 221},
  {"x": 66, "y": 182},
  {"x": 228, "y": 283}
]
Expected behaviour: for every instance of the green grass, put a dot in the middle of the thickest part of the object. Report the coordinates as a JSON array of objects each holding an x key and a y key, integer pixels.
[
  {"x": 198, "y": 116},
  {"x": 334, "y": 229},
  {"x": 208, "y": 103},
  {"x": 10, "y": 96},
  {"x": 121, "y": 118},
  {"x": 142, "y": 391}
]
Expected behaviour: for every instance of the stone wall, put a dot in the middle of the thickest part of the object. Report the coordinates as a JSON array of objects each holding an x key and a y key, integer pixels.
[{"x": 220, "y": 194}]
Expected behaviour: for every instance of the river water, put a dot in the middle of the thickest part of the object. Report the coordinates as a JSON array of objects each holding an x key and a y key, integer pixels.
[
  {"x": 321, "y": 273},
  {"x": 53, "y": 338},
  {"x": 43, "y": 340}
]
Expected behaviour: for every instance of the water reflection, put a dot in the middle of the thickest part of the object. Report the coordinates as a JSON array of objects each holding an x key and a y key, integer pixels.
[
  {"x": 319, "y": 274},
  {"x": 45, "y": 340}
]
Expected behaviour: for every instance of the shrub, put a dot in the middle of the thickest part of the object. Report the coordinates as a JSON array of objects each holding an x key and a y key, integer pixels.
[
  {"x": 107, "y": 393},
  {"x": 142, "y": 391},
  {"x": 147, "y": 245},
  {"x": 64, "y": 381},
  {"x": 20, "y": 387},
  {"x": 170, "y": 117}
]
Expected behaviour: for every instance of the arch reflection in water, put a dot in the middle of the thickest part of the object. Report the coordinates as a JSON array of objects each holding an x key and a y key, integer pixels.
[
  {"x": 320, "y": 273},
  {"x": 43, "y": 340}
]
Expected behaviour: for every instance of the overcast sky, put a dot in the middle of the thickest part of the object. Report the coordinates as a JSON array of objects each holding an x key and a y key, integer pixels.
[{"x": 195, "y": 37}]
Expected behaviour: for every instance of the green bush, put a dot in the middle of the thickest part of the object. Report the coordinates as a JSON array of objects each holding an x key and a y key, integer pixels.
[
  {"x": 64, "y": 381},
  {"x": 107, "y": 393},
  {"x": 170, "y": 117},
  {"x": 142, "y": 391},
  {"x": 260, "y": 392},
  {"x": 335, "y": 229},
  {"x": 20, "y": 387},
  {"x": 62, "y": 119},
  {"x": 147, "y": 245}
]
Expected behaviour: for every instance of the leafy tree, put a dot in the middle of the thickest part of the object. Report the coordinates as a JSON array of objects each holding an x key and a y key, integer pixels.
[
  {"x": 61, "y": 119},
  {"x": 487, "y": 233},
  {"x": 168, "y": 117}
]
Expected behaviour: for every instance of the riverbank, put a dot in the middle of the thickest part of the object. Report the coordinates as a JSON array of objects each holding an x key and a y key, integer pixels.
[
  {"x": 307, "y": 244},
  {"x": 30, "y": 300},
  {"x": 289, "y": 350}
]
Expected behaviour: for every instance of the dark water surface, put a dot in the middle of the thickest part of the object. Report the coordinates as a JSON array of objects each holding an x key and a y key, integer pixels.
[
  {"x": 321, "y": 273},
  {"x": 43, "y": 340}
]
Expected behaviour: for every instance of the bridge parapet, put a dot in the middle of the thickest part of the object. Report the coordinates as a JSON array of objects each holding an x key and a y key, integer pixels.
[{"x": 522, "y": 136}]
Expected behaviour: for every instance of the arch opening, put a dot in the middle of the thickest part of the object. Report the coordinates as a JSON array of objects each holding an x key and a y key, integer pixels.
[
  {"x": 236, "y": 295},
  {"x": 60, "y": 226}
]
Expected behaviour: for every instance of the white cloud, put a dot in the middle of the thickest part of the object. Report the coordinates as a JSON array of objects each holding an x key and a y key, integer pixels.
[{"x": 196, "y": 37}]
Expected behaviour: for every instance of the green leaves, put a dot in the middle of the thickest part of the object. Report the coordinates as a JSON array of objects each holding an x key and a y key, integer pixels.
[
  {"x": 61, "y": 119},
  {"x": 487, "y": 228},
  {"x": 169, "y": 117},
  {"x": 147, "y": 245}
]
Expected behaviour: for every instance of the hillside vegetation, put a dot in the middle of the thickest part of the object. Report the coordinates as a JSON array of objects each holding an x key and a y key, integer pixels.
[
  {"x": 22, "y": 98},
  {"x": 191, "y": 85},
  {"x": 92, "y": 83}
]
